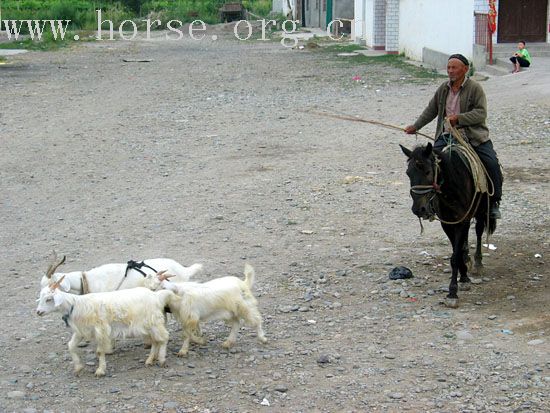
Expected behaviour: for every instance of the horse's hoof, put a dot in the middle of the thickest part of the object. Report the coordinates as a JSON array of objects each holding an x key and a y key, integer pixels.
[
  {"x": 451, "y": 302},
  {"x": 465, "y": 286}
]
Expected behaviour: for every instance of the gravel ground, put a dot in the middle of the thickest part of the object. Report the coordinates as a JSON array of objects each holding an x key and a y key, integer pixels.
[{"x": 204, "y": 155}]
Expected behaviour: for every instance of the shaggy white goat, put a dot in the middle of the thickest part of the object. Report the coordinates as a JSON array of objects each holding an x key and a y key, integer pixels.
[
  {"x": 226, "y": 298},
  {"x": 112, "y": 277},
  {"x": 137, "y": 312}
]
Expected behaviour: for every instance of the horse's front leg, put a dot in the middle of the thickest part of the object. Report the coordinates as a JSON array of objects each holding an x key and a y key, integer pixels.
[{"x": 457, "y": 235}]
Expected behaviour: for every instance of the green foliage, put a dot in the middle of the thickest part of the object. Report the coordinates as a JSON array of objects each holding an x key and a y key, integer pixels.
[
  {"x": 260, "y": 7},
  {"x": 81, "y": 13},
  {"x": 48, "y": 42}
]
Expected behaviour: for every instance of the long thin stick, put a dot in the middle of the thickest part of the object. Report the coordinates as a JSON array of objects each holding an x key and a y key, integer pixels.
[{"x": 354, "y": 119}]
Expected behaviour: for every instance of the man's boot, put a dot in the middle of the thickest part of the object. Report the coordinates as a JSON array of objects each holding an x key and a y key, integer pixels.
[{"x": 494, "y": 211}]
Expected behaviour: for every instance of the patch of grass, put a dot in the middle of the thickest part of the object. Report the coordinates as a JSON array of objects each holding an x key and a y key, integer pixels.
[
  {"x": 2, "y": 60},
  {"x": 337, "y": 48},
  {"x": 396, "y": 61},
  {"x": 47, "y": 43}
]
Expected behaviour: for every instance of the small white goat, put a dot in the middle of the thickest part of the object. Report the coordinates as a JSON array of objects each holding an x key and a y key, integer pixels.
[
  {"x": 112, "y": 277},
  {"x": 137, "y": 312},
  {"x": 226, "y": 298}
]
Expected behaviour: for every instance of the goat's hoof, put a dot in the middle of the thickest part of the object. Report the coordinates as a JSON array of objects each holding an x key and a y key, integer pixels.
[
  {"x": 147, "y": 346},
  {"x": 99, "y": 373},
  {"x": 467, "y": 286},
  {"x": 78, "y": 369},
  {"x": 262, "y": 340},
  {"x": 162, "y": 363},
  {"x": 182, "y": 353},
  {"x": 451, "y": 302}
]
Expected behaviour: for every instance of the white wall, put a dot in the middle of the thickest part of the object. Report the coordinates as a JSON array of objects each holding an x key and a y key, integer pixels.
[
  {"x": 281, "y": 6},
  {"x": 441, "y": 25},
  {"x": 364, "y": 24}
]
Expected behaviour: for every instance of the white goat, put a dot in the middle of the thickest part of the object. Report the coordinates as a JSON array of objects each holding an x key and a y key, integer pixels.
[
  {"x": 137, "y": 312},
  {"x": 226, "y": 298},
  {"x": 112, "y": 277}
]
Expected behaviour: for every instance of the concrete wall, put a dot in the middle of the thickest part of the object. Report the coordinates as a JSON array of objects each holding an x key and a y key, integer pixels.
[
  {"x": 392, "y": 26},
  {"x": 444, "y": 26},
  {"x": 364, "y": 22},
  {"x": 379, "y": 40}
]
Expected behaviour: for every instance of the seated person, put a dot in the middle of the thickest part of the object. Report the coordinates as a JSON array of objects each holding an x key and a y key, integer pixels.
[{"x": 521, "y": 58}]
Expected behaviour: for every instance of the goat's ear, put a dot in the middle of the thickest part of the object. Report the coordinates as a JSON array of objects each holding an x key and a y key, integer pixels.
[
  {"x": 64, "y": 285},
  {"x": 58, "y": 299},
  {"x": 406, "y": 151},
  {"x": 428, "y": 150}
]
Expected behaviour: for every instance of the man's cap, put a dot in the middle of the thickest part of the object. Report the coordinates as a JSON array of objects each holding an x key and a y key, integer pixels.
[{"x": 460, "y": 57}]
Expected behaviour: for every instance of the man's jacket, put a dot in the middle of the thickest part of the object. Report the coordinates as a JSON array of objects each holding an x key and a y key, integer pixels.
[{"x": 473, "y": 112}]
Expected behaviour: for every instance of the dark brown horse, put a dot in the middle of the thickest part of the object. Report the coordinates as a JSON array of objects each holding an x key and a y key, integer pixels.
[{"x": 442, "y": 186}]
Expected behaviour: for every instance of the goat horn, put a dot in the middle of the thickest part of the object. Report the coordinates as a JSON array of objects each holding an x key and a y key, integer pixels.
[
  {"x": 57, "y": 283},
  {"x": 54, "y": 266},
  {"x": 162, "y": 276}
]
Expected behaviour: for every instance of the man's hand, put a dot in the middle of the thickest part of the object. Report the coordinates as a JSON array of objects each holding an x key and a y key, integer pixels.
[
  {"x": 411, "y": 130},
  {"x": 453, "y": 120}
]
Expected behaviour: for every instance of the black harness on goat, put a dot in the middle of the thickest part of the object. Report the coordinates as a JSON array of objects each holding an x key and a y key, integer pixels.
[
  {"x": 134, "y": 265},
  {"x": 65, "y": 317}
]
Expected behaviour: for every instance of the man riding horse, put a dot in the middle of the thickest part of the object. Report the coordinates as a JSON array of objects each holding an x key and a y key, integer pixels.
[{"x": 462, "y": 102}]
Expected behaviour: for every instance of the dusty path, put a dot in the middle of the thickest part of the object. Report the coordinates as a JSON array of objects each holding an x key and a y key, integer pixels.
[{"x": 203, "y": 156}]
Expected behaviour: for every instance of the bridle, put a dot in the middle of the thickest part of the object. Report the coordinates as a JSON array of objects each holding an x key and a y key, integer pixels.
[{"x": 426, "y": 190}]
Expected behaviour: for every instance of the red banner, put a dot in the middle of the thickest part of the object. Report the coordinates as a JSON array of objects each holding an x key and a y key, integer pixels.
[{"x": 492, "y": 16}]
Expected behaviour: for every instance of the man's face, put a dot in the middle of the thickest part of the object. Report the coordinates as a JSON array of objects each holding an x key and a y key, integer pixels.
[{"x": 456, "y": 70}]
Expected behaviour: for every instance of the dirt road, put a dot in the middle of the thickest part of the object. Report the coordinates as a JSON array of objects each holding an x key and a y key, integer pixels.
[{"x": 203, "y": 155}]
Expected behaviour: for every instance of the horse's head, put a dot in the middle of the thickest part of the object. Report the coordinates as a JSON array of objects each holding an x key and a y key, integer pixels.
[{"x": 422, "y": 174}]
